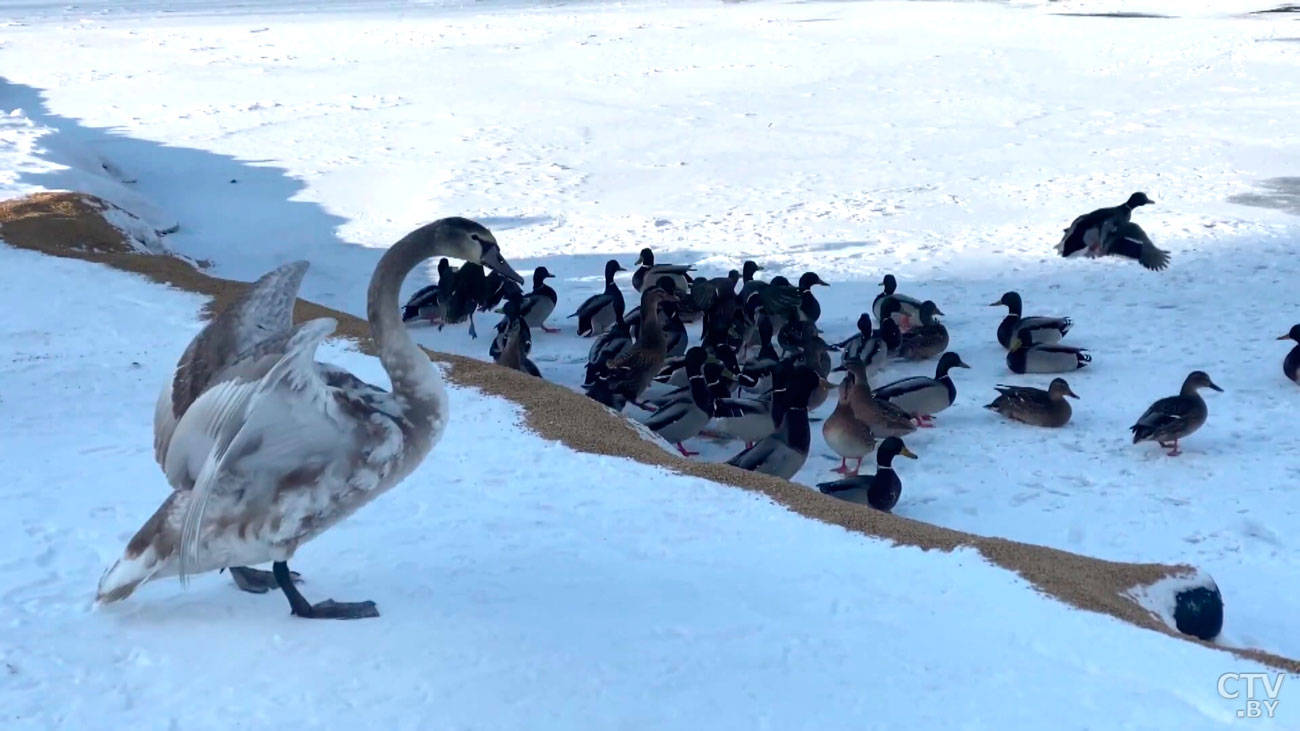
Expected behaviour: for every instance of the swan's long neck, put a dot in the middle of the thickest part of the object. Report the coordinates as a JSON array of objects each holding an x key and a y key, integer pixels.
[{"x": 415, "y": 379}]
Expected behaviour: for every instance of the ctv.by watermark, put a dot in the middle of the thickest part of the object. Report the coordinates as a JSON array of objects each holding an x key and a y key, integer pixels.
[{"x": 1258, "y": 693}]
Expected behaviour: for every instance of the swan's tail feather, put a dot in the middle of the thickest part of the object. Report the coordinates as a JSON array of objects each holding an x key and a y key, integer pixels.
[{"x": 149, "y": 550}]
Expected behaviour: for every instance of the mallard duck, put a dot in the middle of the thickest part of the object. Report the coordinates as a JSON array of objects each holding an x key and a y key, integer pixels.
[
  {"x": 1086, "y": 233},
  {"x": 425, "y": 304},
  {"x": 747, "y": 282},
  {"x": 783, "y": 453},
  {"x": 469, "y": 293},
  {"x": 757, "y": 371},
  {"x": 538, "y": 304},
  {"x": 883, "y": 418},
  {"x": 810, "y": 310},
  {"x": 613, "y": 342},
  {"x": 909, "y": 308},
  {"x": 924, "y": 397},
  {"x": 1291, "y": 366},
  {"x": 1035, "y": 406},
  {"x": 1175, "y": 417},
  {"x": 1026, "y": 356},
  {"x": 648, "y": 272},
  {"x": 513, "y": 353},
  {"x": 753, "y": 419},
  {"x": 596, "y": 314},
  {"x": 514, "y": 299},
  {"x": 1045, "y": 330},
  {"x": 925, "y": 340},
  {"x": 279, "y": 448},
  {"x": 845, "y": 434},
  {"x": 683, "y": 418},
  {"x": 777, "y": 299},
  {"x": 1130, "y": 241},
  {"x": 625, "y": 377},
  {"x": 881, "y": 490},
  {"x": 866, "y": 347},
  {"x": 891, "y": 336}
]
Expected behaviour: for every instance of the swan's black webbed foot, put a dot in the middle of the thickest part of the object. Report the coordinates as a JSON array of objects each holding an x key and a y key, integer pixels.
[{"x": 328, "y": 609}]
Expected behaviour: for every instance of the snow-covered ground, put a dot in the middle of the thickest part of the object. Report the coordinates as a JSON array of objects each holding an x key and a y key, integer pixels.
[{"x": 947, "y": 143}]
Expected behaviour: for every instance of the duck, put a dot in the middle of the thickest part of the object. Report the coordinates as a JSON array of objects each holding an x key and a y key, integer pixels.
[
  {"x": 514, "y": 298},
  {"x": 1291, "y": 365},
  {"x": 754, "y": 419},
  {"x": 865, "y": 346},
  {"x": 757, "y": 370},
  {"x": 883, "y": 418},
  {"x": 1172, "y": 418},
  {"x": 649, "y": 272},
  {"x": 881, "y": 490},
  {"x": 1128, "y": 240},
  {"x": 845, "y": 434},
  {"x": 626, "y": 376},
  {"x": 684, "y": 418},
  {"x": 426, "y": 303},
  {"x": 278, "y": 448},
  {"x": 514, "y": 352},
  {"x": 909, "y": 308},
  {"x": 1027, "y": 356},
  {"x": 1045, "y": 330},
  {"x": 891, "y": 336},
  {"x": 777, "y": 299},
  {"x": 538, "y": 304},
  {"x": 596, "y": 313},
  {"x": 923, "y": 397},
  {"x": 784, "y": 452},
  {"x": 926, "y": 340},
  {"x": 669, "y": 316},
  {"x": 810, "y": 310},
  {"x": 1034, "y": 406},
  {"x": 1085, "y": 233},
  {"x": 747, "y": 282},
  {"x": 469, "y": 293},
  {"x": 610, "y": 344}
]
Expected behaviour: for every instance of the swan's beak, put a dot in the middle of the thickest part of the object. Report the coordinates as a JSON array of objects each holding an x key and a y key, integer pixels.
[{"x": 493, "y": 260}]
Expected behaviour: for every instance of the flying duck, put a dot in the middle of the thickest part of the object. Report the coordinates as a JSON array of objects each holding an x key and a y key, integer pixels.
[
  {"x": 1026, "y": 356},
  {"x": 1045, "y": 330},
  {"x": 923, "y": 397},
  {"x": 596, "y": 314},
  {"x": 881, "y": 490},
  {"x": 650, "y": 272},
  {"x": 1086, "y": 233},
  {"x": 1035, "y": 406},
  {"x": 1175, "y": 417},
  {"x": 1291, "y": 366}
]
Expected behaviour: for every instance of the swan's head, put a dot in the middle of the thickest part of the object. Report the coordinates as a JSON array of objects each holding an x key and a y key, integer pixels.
[{"x": 471, "y": 241}]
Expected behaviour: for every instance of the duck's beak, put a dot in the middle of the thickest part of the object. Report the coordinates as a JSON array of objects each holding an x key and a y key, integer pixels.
[
  {"x": 638, "y": 262},
  {"x": 1015, "y": 344},
  {"x": 1070, "y": 392},
  {"x": 618, "y": 267},
  {"x": 1214, "y": 386},
  {"x": 938, "y": 311},
  {"x": 996, "y": 304},
  {"x": 549, "y": 276},
  {"x": 758, "y": 267},
  {"x": 493, "y": 260},
  {"x": 1284, "y": 337},
  {"x": 962, "y": 364},
  {"x": 819, "y": 281},
  {"x": 905, "y": 452}
]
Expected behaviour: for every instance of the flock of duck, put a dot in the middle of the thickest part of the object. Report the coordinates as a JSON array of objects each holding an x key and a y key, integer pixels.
[{"x": 266, "y": 448}]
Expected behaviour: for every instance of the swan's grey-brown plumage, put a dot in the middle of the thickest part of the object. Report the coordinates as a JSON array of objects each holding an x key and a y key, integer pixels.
[
  {"x": 274, "y": 453},
  {"x": 1174, "y": 417}
]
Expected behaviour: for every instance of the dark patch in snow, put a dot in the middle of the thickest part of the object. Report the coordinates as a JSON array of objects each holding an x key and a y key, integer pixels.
[
  {"x": 1282, "y": 194},
  {"x": 1199, "y": 612},
  {"x": 1117, "y": 14}
]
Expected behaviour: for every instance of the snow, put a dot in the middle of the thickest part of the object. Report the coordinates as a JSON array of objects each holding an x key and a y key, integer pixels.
[{"x": 854, "y": 139}]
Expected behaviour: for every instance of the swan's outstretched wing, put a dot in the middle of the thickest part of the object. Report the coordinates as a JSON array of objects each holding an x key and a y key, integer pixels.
[
  {"x": 265, "y": 430},
  {"x": 263, "y": 311}
]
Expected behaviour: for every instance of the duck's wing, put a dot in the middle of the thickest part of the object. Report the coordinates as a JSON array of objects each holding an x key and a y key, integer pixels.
[
  {"x": 1024, "y": 396},
  {"x": 906, "y": 385},
  {"x": 1129, "y": 240},
  {"x": 860, "y": 482},
  {"x": 263, "y": 311},
  {"x": 282, "y": 428},
  {"x": 424, "y": 297},
  {"x": 1167, "y": 413}
]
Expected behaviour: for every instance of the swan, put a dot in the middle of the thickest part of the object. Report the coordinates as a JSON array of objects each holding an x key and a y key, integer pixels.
[{"x": 279, "y": 448}]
